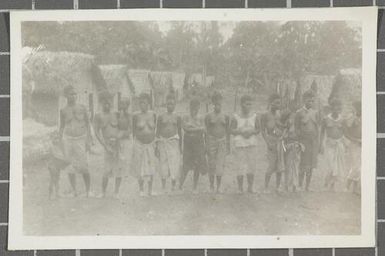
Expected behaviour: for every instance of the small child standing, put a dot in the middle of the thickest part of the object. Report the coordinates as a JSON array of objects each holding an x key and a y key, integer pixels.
[{"x": 56, "y": 162}]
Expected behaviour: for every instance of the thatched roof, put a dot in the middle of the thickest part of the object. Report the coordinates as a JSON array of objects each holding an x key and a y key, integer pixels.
[
  {"x": 140, "y": 80},
  {"x": 178, "y": 80},
  {"x": 160, "y": 81},
  {"x": 197, "y": 79},
  {"x": 115, "y": 76},
  {"x": 52, "y": 71},
  {"x": 347, "y": 85}
]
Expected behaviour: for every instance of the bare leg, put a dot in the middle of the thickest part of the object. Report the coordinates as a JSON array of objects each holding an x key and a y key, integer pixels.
[
  {"x": 87, "y": 182},
  {"x": 51, "y": 184},
  {"x": 301, "y": 177},
  {"x": 196, "y": 178},
  {"x": 250, "y": 182},
  {"x": 240, "y": 183},
  {"x": 278, "y": 177},
  {"x": 150, "y": 186},
  {"x": 267, "y": 179},
  {"x": 308, "y": 178},
  {"x": 72, "y": 179},
  {"x": 118, "y": 181},
  {"x": 56, "y": 183},
  {"x": 182, "y": 179},
  {"x": 164, "y": 184},
  {"x": 141, "y": 185},
  {"x": 219, "y": 181},
  {"x": 104, "y": 185},
  {"x": 211, "y": 179}
]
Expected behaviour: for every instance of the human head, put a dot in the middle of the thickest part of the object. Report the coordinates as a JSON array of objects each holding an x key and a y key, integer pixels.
[
  {"x": 357, "y": 107},
  {"x": 124, "y": 103},
  {"x": 105, "y": 99},
  {"x": 170, "y": 102},
  {"x": 246, "y": 103},
  {"x": 336, "y": 106},
  {"x": 308, "y": 99},
  {"x": 216, "y": 99},
  {"x": 54, "y": 137},
  {"x": 144, "y": 102},
  {"x": 70, "y": 94},
  {"x": 274, "y": 102},
  {"x": 194, "y": 106}
]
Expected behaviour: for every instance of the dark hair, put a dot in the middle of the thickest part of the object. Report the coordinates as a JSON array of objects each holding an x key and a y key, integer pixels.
[
  {"x": 194, "y": 102},
  {"x": 145, "y": 96},
  {"x": 171, "y": 96},
  {"x": 308, "y": 94},
  {"x": 104, "y": 96},
  {"x": 67, "y": 89},
  {"x": 273, "y": 97},
  {"x": 246, "y": 97},
  {"x": 335, "y": 102},
  {"x": 216, "y": 96}
]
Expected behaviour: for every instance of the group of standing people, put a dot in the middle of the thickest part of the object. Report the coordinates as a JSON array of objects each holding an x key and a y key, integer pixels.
[{"x": 145, "y": 144}]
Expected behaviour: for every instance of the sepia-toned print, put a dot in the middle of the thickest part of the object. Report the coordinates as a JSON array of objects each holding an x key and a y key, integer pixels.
[{"x": 205, "y": 127}]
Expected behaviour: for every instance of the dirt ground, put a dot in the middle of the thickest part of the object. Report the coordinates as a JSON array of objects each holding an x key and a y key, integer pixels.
[{"x": 302, "y": 213}]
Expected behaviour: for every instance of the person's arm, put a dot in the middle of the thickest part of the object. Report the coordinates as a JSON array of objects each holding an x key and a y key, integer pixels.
[
  {"x": 234, "y": 126},
  {"x": 322, "y": 136},
  {"x": 263, "y": 128},
  {"x": 134, "y": 121},
  {"x": 179, "y": 128},
  {"x": 97, "y": 129},
  {"x": 257, "y": 126},
  {"x": 158, "y": 126},
  {"x": 227, "y": 118},
  {"x": 61, "y": 123},
  {"x": 88, "y": 126},
  {"x": 297, "y": 124}
]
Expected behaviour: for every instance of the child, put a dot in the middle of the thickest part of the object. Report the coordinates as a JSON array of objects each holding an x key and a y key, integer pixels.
[
  {"x": 332, "y": 143},
  {"x": 245, "y": 128},
  {"x": 217, "y": 141},
  {"x": 272, "y": 132},
  {"x": 144, "y": 159},
  {"x": 193, "y": 145},
  {"x": 169, "y": 132},
  {"x": 56, "y": 163}
]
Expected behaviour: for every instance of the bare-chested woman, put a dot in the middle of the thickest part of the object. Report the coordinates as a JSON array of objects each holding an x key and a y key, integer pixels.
[
  {"x": 331, "y": 143},
  {"x": 76, "y": 136},
  {"x": 107, "y": 133},
  {"x": 144, "y": 159},
  {"x": 169, "y": 133},
  {"x": 217, "y": 141}
]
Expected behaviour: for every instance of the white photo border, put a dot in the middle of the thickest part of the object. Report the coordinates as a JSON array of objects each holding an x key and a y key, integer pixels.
[{"x": 368, "y": 18}]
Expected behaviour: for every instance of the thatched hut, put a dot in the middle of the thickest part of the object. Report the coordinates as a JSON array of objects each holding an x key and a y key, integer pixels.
[
  {"x": 197, "y": 79},
  {"x": 117, "y": 82},
  {"x": 50, "y": 72},
  {"x": 161, "y": 83},
  {"x": 178, "y": 82},
  {"x": 140, "y": 83}
]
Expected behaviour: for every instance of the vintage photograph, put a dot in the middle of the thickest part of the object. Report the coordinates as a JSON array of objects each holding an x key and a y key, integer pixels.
[{"x": 209, "y": 127}]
